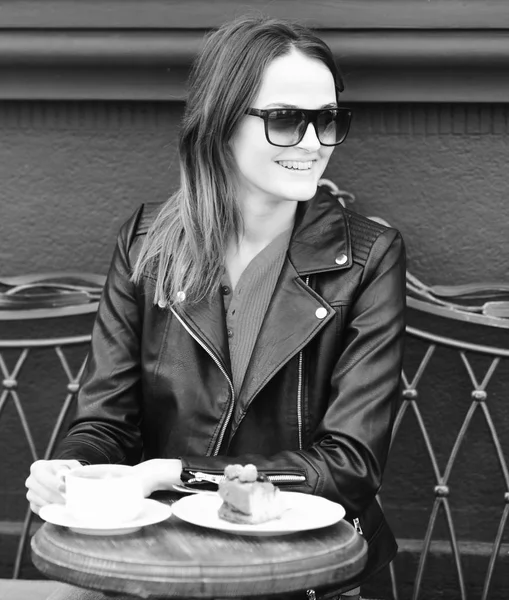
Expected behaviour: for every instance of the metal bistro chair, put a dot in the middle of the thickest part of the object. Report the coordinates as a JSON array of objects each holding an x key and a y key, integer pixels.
[
  {"x": 463, "y": 332},
  {"x": 28, "y": 302}
]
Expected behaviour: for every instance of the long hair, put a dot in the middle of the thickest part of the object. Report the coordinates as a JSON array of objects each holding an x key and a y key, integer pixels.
[{"x": 187, "y": 241}]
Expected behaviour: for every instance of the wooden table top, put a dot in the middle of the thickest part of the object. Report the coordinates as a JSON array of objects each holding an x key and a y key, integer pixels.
[{"x": 174, "y": 558}]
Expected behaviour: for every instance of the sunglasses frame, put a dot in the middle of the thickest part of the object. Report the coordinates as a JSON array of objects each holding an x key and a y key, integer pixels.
[{"x": 310, "y": 116}]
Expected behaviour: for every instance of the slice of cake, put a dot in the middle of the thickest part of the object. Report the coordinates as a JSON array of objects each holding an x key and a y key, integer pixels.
[{"x": 248, "y": 497}]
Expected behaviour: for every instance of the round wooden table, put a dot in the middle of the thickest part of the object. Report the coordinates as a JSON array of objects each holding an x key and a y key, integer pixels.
[{"x": 176, "y": 559}]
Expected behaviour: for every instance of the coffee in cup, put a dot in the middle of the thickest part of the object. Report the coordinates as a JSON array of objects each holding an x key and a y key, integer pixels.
[{"x": 103, "y": 494}]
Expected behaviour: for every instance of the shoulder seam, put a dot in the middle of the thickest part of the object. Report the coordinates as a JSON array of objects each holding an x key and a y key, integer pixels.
[{"x": 363, "y": 234}]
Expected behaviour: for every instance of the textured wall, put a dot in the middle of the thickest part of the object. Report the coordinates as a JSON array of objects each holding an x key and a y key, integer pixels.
[
  {"x": 437, "y": 172},
  {"x": 72, "y": 173}
]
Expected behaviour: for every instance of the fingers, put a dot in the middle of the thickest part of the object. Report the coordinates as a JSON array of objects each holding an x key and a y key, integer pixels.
[
  {"x": 34, "y": 499},
  {"x": 50, "y": 473},
  {"x": 35, "y": 502},
  {"x": 44, "y": 492},
  {"x": 45, "y": 483}
]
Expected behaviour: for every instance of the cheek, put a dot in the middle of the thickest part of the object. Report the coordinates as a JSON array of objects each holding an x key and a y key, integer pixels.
[
  {"x": 249, "y": 135},
  {"x": 250, "y": 150}
]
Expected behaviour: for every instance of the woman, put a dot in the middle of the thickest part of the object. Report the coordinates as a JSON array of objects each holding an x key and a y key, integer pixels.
[{"x": 250, "y": 318}]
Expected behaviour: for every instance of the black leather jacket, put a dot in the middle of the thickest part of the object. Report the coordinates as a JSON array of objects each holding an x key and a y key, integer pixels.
[{"x": 322, "y": 385}]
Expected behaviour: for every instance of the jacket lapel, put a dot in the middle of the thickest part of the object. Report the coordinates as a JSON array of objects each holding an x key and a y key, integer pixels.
[
  {"x": 208, "y": 323},
  {"x": 295, "y": 314}
]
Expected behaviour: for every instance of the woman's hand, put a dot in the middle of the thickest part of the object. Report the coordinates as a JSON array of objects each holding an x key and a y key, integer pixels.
[
  {"x": 159, "y": 474},
  {"x": 45, "y": 483}
]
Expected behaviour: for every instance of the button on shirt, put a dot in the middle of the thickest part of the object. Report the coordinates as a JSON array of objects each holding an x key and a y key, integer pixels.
[{"x": 246, "y": 305}]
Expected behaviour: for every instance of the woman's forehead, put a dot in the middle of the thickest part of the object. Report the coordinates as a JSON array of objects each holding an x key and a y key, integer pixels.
[{"x": 296, "y": 79}]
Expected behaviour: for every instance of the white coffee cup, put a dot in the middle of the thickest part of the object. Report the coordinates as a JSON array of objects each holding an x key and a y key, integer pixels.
[{"x": 103, "y": 494}]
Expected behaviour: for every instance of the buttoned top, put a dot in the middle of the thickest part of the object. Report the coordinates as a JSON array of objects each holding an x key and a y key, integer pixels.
[{"x": 246, "y": 305}]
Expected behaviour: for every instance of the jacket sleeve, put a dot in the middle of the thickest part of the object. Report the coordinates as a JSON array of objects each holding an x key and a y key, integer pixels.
[
  {"x": 347, "y": 456},
  {"x": 112, "y": 377}
]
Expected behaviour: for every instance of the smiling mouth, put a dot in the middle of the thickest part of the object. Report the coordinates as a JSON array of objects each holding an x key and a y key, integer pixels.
[{"x": 295, "y": 165}]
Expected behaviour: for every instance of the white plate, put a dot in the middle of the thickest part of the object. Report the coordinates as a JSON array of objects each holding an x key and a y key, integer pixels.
[
  {"x": 152, "y": 512},
  {"x": 302, "y": 512}
]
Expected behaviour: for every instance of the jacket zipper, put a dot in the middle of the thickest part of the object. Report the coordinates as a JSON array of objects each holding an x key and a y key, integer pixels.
[
  {"x": 357, "y": 525},
  {"x": 223, "y": 371},
  {"x": 200, "y": 477},
  {"x": 299, "y": 400},
  {"x": 299, "y": 389}
]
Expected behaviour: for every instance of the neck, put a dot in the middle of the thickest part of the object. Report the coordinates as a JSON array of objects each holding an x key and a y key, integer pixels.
[{"x": 264, "y": 221}]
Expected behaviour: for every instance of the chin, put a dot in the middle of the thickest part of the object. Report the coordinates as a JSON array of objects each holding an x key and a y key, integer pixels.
[{"x": 301, "y": 193}]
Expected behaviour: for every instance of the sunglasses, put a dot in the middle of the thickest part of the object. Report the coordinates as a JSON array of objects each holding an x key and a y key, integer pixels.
[{"x": 286, "y": 127}]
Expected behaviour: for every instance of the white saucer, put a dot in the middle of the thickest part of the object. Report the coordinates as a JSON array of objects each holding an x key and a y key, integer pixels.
[{"x": 152, "y": 512}]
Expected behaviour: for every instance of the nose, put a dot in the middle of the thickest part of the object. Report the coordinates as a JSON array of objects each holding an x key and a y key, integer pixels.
[{"x": 310, "y": 140}]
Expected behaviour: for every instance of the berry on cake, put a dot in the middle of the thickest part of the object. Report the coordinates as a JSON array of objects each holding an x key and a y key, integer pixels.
[{"x": 248, "y": 497}]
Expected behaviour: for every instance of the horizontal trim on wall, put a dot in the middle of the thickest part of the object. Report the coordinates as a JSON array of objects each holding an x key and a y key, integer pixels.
[
  {"x": 369, "y": 120},
  {"x": 360, "y": 49},
  {"x": 176, "y": 14},
  {"x": 379, "y": 66}
]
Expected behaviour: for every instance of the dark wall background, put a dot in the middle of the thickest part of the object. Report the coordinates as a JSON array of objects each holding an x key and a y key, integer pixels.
[{"x": 73, "y": 172}]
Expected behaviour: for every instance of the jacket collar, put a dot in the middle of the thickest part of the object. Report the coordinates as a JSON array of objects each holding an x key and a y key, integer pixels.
[{"x": 321, "y": 236}]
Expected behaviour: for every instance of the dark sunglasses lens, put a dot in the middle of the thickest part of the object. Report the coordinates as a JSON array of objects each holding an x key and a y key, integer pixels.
[
  {"x": 332, "y": 126},
  {"x": 285, "y": 127}
]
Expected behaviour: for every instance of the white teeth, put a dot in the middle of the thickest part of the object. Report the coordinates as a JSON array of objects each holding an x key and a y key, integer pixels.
[{"x": 296, "y": 165}]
